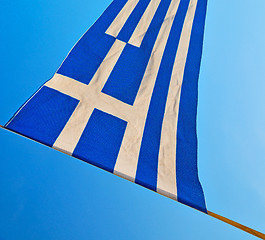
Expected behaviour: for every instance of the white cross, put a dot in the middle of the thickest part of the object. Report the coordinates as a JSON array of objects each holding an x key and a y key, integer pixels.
[{"x": 90, "y": 97}]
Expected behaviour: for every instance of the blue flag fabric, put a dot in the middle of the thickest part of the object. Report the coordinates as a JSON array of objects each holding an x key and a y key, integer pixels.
[{"x": 125, "y": 98}]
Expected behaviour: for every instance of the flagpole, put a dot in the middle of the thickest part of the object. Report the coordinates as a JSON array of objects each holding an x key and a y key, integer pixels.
[
  {"x": 214, "y": 215},
  {"x": 237, "y": 225}
]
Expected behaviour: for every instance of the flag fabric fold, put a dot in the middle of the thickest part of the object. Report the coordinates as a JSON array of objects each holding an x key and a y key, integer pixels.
[{"x": 125, "y": 98}]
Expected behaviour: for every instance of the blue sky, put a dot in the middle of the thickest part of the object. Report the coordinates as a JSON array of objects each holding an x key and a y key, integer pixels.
[{"x": 45, "y": 194}]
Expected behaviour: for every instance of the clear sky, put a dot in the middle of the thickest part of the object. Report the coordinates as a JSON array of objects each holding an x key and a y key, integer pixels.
[{"x": 45, "y": 194}]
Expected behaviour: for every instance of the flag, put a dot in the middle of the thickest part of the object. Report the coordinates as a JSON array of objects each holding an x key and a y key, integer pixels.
[{"x": 125, "y": 97}]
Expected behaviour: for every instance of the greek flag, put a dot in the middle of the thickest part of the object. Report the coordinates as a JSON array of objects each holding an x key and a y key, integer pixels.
[{"x": 125, "y": 98}]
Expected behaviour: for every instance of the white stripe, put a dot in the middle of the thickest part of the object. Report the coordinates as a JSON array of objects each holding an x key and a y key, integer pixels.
[
  {"x": 90, "y": 97},
  {"x": 127, "y": 161},
  {"x": 166, "y": 182},
  {"x": 121, "y": 18},
  {"x": 143, "y": 25}
]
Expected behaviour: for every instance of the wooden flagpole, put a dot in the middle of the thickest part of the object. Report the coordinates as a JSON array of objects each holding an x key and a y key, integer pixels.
[
  {"x": 214, "y": 215},
  {"x": 238, "y": 225}
]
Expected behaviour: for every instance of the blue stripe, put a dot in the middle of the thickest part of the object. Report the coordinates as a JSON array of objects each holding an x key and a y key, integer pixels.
[
  {"x": 44, "y": 116},
  {"x": 101, "y": 140},
  {"x": 189, "y": 188},
  {"x": 130, "y": 25},
  {"x": 126, "y": 77},
  {"x": 148, "y": 158},
  {"x": 87, "y": 55}
]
